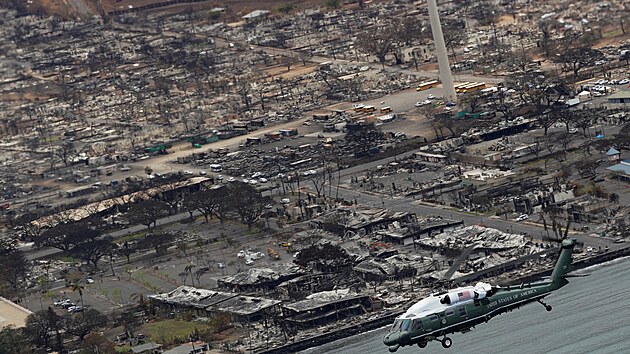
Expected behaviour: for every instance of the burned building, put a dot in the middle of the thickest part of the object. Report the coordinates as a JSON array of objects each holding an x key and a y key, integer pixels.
[
  {"x": 391, "y": 268},
  {"x": 259, "y": 280},
  {"x": 357, "y": 220},
  {"x": 324, "y": 308},
  {"x": 203, "y": 302},
  {"x": 405, "y": 235}
]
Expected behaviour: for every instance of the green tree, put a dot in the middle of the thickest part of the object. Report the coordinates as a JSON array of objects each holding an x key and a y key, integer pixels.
[
  {"x": 377, "y": 41},
  {"x": 95, "y": 343},
  {"x": 14, "y": 266},
  {"x": 247, "y": 202},
  {"x": 286, "y": 8},
  {"x": 65, "y": 236},
  {"x": 13, "y": 341},
  {"x": 147, "y": 212},
  {"x": 159, "y": 242},
  {"x": 333, "y": 4},
  {"x": 91, "y": 251},
  {"x": 38, "y": 328},
  {"x": 81, "y": 326}
]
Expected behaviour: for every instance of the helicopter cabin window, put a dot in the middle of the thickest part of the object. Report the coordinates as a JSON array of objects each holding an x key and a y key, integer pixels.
[
  {"x": 433, "y": 317},
  {"x": 417, "y": 325},
  {"x": 450, "y": 312},
  {"x": 462, "y": 311}
]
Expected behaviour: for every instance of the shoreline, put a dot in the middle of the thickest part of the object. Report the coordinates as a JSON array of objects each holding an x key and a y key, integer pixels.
[{"x": 355, "y": 329}]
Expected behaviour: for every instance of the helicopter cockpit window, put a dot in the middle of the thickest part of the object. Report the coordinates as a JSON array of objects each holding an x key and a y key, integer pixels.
[
  {"x": 396, "y": 326},
  {"x": 434, "y": 317},
  {"x": 405, "y": 325}
]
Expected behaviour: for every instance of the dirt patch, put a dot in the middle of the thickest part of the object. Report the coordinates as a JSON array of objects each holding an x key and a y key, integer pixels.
[
  {"x": 506, "y": 20},
  {"x": 59, "y": 8},
  {"x": 296, "y": 70},
  {"x": 613, "y": 40}
]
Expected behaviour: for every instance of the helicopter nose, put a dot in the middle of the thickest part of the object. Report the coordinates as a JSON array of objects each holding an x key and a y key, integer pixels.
[
  {"x": 391, "y": 339},
  {"x": 404, "y": 339}
]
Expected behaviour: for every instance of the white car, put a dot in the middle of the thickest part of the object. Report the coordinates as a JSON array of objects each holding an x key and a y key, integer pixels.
[
  {"x": 248, "y": 261},
  {"x": 219, "y": 177},
  {"x": 89, "y": 281},
  {"x": 202, "y": 172},
  {"x": 188, "y": 173},
  {"x": 231, "y": 179},
  {"x": 431, "y": 97},
  {"x": 262, "y": 180},
  {"x": 61, "y": 302},
  {"x": 522, "y": 217},
  {"x": 241, "y": 254},
  {"x": 623, "y": 81},
  {"x": 285, "y": 201},
  {"x": 573, "y": 130}
]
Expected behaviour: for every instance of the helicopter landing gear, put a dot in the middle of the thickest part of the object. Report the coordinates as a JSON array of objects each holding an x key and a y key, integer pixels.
[
  {"x": 447, "y": 342},
  {"x": 422, "y": 344},
  {"x": 547, "y": 307}
]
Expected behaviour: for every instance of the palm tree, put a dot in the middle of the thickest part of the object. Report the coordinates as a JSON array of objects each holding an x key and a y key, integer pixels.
[
  {"x": 140, "y": 299},
  {"x": 79, "y": 287}
]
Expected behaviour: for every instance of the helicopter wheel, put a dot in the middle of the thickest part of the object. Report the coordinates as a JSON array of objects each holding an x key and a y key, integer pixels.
[
  {"x": 447, "y": 342},
  {"x": 548, "y": 308},
  {"x": 422, "y": 344}
]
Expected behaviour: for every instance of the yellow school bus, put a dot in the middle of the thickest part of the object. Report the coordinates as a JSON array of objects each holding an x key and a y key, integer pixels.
[{"x": 427, "y": 85}]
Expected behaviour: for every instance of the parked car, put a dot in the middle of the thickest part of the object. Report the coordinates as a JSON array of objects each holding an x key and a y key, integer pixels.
[
  {"x": 522, "y": 217},
  {"x": 60, "y": 302},
  {"x": 285, "y": 201},
  {"x": 75, "y": 309}
]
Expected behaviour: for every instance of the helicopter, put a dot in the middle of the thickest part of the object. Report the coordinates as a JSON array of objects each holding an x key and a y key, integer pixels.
[{"x": 461, "y": 309}]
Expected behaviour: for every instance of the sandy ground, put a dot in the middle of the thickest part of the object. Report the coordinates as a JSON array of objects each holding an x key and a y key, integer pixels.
[{"x": 296, "y": 70}]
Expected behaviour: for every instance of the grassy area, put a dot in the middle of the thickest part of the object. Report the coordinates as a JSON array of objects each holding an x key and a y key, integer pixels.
[
  {"x": 130, "y": 237},
  {"x": 168, "y": 330},
  {"x": 611, "y": 34},
  {"x": 123, "y": 349}
]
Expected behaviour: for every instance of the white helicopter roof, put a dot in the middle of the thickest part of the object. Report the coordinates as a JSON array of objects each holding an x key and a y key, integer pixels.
[{"x": 432, "y": 304}]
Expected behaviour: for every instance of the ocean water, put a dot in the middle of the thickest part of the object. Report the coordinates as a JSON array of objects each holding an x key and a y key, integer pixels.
[{"x": 590, "y": 315}]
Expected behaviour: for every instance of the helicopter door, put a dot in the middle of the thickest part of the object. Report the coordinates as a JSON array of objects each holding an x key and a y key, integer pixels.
[{"x": 443, "y": 321}]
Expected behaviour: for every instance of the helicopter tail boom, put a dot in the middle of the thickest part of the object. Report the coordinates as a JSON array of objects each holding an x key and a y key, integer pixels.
[{"x": 564, "y": 262}]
